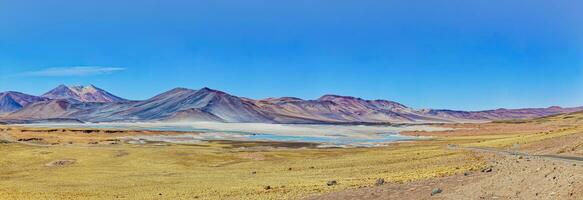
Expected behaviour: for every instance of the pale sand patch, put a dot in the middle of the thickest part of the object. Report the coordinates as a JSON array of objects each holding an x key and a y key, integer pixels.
[{"x": 253, "y": 156}]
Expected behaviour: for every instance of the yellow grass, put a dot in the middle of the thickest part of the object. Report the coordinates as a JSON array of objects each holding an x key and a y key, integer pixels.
[
  {"x": 220, "y": 171},
  {"x": 186, "y": 172}
]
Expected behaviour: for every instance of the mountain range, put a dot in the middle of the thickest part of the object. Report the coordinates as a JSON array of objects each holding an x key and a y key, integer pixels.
[{"x": 92, "y": 104}]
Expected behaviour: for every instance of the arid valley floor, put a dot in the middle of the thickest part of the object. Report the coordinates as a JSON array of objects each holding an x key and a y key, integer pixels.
[{"x": 529, "y": 159}]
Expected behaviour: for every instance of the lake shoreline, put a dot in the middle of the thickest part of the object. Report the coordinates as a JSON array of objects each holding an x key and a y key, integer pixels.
[{"x": 324, "y": 134}]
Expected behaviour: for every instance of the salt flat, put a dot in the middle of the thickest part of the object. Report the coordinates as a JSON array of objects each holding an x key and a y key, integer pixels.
[{"x": 356, "y": 135}]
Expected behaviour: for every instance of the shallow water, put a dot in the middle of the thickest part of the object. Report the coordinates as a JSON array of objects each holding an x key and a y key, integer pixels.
[{"x": 327, "y": 135}]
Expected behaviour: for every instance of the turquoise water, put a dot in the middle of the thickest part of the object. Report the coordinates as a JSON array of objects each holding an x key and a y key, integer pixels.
[
  {"x": 329, "y": 138},
  {"x": 337, "y": 140},
  {"x": 381, "y": 138}
]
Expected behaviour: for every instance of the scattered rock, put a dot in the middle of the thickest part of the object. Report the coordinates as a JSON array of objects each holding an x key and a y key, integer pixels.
[
  {"x": 289, "y": 169},
  {"x": 487, "y": 170},
  {"x": 29, "y": 139},
  {"x": 380, "y": 182},
  {"x": 436, "y": 191},
  {"x": 467, "y": 173},
  {"x": 60, "y": 163},
  {"x": 253, "y": 173},
  {"x": 332, "y": 183},
  {"x": 121, "y": 154},
  {"x": 267, "y": 187}
]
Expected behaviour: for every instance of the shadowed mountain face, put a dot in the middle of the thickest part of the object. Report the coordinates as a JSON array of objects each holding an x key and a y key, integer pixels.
[
  {"x": 185, "y": 105},
  {"x": 13, "y": 101},
  {"x": 88, "y": 93},
  {"x": 182, "y": 104}
]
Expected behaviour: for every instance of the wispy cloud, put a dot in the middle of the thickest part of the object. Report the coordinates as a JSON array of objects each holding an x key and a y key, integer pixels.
[{"x": 73, "y": 71}]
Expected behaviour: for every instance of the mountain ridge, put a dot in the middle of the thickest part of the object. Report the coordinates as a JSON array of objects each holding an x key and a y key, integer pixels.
[
  {"x": 11, "y": 101},
  {"x": 92, "y": 104},
  {"x": 87, "y": 93}
]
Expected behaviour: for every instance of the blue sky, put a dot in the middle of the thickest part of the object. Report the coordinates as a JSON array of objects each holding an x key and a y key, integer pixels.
[{"x": 457, "y": 54}]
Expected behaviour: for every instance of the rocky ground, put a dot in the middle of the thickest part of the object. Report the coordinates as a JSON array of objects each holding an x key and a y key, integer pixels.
[
  {"x": 508, "y": 177},
  {"x": 548, "y": 169}
]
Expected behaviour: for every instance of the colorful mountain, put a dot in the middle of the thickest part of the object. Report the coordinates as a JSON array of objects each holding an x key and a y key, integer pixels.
[
  {"x": 13, "y": 101},
  {"x": 88, "y": 93},
  {"x": 92, "y": 104}
]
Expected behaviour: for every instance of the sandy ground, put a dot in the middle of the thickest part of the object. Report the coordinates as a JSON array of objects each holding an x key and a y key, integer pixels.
[
  {"x": 551, "y": 168},
  {"x": 473, "y": 129},
  {"x": 512, "y": 177}
]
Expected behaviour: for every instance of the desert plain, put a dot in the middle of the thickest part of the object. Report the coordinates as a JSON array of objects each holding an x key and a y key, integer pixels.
[{"x": 458, "y": 161}]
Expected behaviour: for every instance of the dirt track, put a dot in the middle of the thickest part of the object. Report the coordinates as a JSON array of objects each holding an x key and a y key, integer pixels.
[
  {"x": 513, "y": 176},
  {"x": 568, "y": 159}
]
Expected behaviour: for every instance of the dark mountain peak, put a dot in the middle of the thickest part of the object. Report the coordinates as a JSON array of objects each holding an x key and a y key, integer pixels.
[
  {"x": 382, "y": 100},
  {"x": 59, "y": 88},
  {"x": 388, "y": 103},
  {"x": 11, "y": 101},
  {"x": 58, "y": 92},
  {"x": 283, "y": 99},
  {"x": 209, "y": 90},
  {"x": 62, "y": 86},
  {"x": 10, "y": 92},
  {"x": 173, "y": 93},
  {"x": 8, "y": 104},
  {"x": 6, "y": 95},
  {"x": 214, "y": 93},
  {"x": 178, "y": 89},
  {"x": 333, "y": 97},
  {"x": 22, "y": 98}
]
